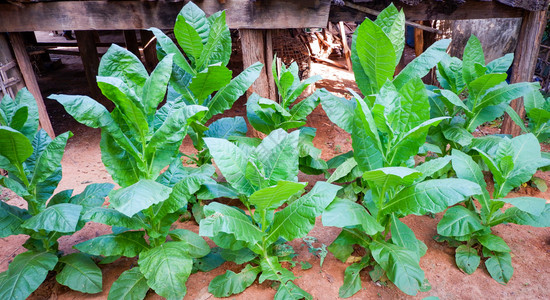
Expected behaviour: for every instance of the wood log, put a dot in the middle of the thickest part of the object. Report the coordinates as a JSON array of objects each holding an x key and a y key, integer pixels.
[
  {"x": 130, "y": 40},
  {"x": 525, "y": 59},
  {"x": 27, "y": 71},
  {"x": 254, "y": 46}
]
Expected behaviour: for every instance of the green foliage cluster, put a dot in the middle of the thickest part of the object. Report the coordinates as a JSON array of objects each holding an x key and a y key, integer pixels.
[{"x": 396, "y": 119}]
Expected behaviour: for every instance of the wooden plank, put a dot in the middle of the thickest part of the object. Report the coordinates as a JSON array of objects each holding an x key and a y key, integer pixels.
[
  {"x": 345, "y": 47},
  {"x": 134, "y": 14},
  {"x": 27, "y": 71},
  {"x": 148, "y": 43},
  {"x": 130, "y": 40},
  {"x": 418, "y": 41},
  {"x": 526, "y": 54},
  {"x": 433, "y": 10},
  {"x": 253, "y": 42},
  {"x": 90, "y": 60}
]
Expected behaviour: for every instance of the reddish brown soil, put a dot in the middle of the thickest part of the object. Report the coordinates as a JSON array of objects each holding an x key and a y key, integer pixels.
[{"x": 82, "y": 165}]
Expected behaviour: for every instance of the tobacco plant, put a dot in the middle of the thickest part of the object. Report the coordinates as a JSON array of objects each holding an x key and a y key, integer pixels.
[
  {"x": 264, "y": 177},
  {"x": 206, "y": 42},
  {"x": 33, "y": 163},
  {"x": 266, "y": 115},
  {"x": 538, "y": 112},
  {"x": 387, "y": 128},
  {"x": 137, "y": 142},
  {"x": 473, "y": 93},
  {"x": 511, "y": 162}
]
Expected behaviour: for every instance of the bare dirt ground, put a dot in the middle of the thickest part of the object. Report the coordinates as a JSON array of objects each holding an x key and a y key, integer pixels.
[{"x": 82, "y": 166}]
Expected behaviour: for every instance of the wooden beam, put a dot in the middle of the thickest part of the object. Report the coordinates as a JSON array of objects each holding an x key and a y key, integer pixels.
[
  {"x": 418, "y": 41},
  {"x": 254, "y": 47},
  {"x": 345, "y": 47},
  {"x": 525, "y": 59},
  {"x": 130, "y": 40},
  {"x": 135, "y": 14},
  {"x": 90, "y": 60},
  {"x": 27, "y": 71},
  {"x": 433, "y": 10}
]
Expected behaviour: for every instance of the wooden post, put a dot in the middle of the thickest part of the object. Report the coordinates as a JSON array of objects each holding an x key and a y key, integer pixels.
[
  {"x": 256, "y": 47},
  {"x": 90, "y": 60},
  {"x": 418, "y": 40},
  {"x": 149, "y": 49},
  {"x": 27, "y": 71},
  {"x": 525, "y": 60},
  {"x": 347, "y": 52},
  {"x": 131, "y": 42}
]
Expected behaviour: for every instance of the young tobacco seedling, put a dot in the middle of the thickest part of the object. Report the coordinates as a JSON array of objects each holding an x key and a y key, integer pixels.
[
  {"x": 33, "y": 162},
  {"x": 206, "y": 42},
  {"x": 473, "y": 93},
  {"x": 512, "y": 162},
  {"x": 266, "y": 115},
  {"x": 264, "y": 177},
  {"x": 137, "y": 142},
  {"x": 538, "y": 112}
]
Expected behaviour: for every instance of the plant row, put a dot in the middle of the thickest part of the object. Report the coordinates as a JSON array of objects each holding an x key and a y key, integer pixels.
[{"x": 396, "y": 119}]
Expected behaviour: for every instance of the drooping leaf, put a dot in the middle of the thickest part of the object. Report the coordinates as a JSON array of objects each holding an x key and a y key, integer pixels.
[
  {"x": 196, "y": 245},
  {"x": 500, "y": 267},
  {"x": 531, "y": 205},
  {"x": 11, "y": 219},
  {"x": 166, "y": 268},
  {"x": 226, "y": 128},
  {"x": 113, "y": 217},
  {"x": 352, "y": 280},
  {"x": 403, "y": 236},
  {"x": 233, "y": 283},
  {"x": 139, "y": 196},
  {"x": 339, "y": 110},
  {"x": 14, "y": 145},
  {"x": 431, "y": 196},
  {"x": 129, "y": 244},
  {"x": 131, "y": 285},
  {"x": 493, "y": 243},
  {"x": 60, "y": 217},
  {"x": 80, "y": 273},
  {"x": 392, "y": 176},
  {"x": 289, "y": 290},
  {"x": 303, "y": 212},
  {"x": 344, "y": 213},
  {"x": 93, "y": 195},
  {"x": 25, "y": 274},
  {"x": 466, "y": 259}
]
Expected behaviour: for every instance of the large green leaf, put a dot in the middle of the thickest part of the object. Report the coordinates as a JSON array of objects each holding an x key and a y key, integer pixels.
[
  {"x": 25, "y": 98},
  {"x": 168, "y": 46},
  {"x": 50, "y": 159},
  {"x": 25, "y": 274},
  {"x": 128, "y": 243},
  {"x": 11, "y": 219},
  {"x": 278, "y": 153},
  {"x": 376, "y": 54},
  {"x": 93, "y": 195},
  {"x": 401, "y": 266},
  {"x": 275, "y": 196},
  {"x": 431, "y": 196},
  {"x": 297, "y": 219},
  {"x": 505, "y": 94},
  {"x": 226, "y": 96},
  {"x": 225, "y": 128},
  {"x": 80, "y": 273},
  {"x": 339, "y": 110},
  {"x": 154, "y": 89},
  {"x": 343, "y": 170},
  {"x": 60, "y": 217},
  {"x": 466, "y": 259},
  {"x": 500, "y": 267},
  {"x": 233, "y": 283},
  {"x": 345, "y": 213},
  {"x": 272, "y": 270},
  {"x": 195, "y": 246},
  {"x": 290, "y": 291},
  {"x": 392, "y": 22},
  {"x": 113, "y": 217},
  {"x": 196, "y": 18},
  {"x": 473, "y": 54},
  {"x": 501, "y": 64},
  {"x": 530, "y": 205},
  {"x": 130, "y": 285},
  {"x": 139, "y": 196},
  {"x": 121, "y": 63},
  {"x": 188, "y": 38},
  {"x": 223, "y": 218},
  {"x": 485, "y": 82},
  {"x": 392, "y": 176},
  {"x": 210, "y": 80},
  {"x": 218, "y": 47},
  {"x": 14, "y": 145},
  {"x": 403, "y": 236},
  {"x": 493, "y": 243},
  {"x": 367, "y": 148},
  {"x": 459, "y": 221},
  {"x": 352, "y": 280},
  {"x": 517, "y": 216},
  {"x": 167, "y": 268},
  {"x": 232, "y": 163},
  {"x": 421, "y": 65},
  {"x": 119, "y": 163}
]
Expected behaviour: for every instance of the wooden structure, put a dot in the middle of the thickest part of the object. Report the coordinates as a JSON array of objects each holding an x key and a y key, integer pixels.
[{"x": 254, "y": 18}]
